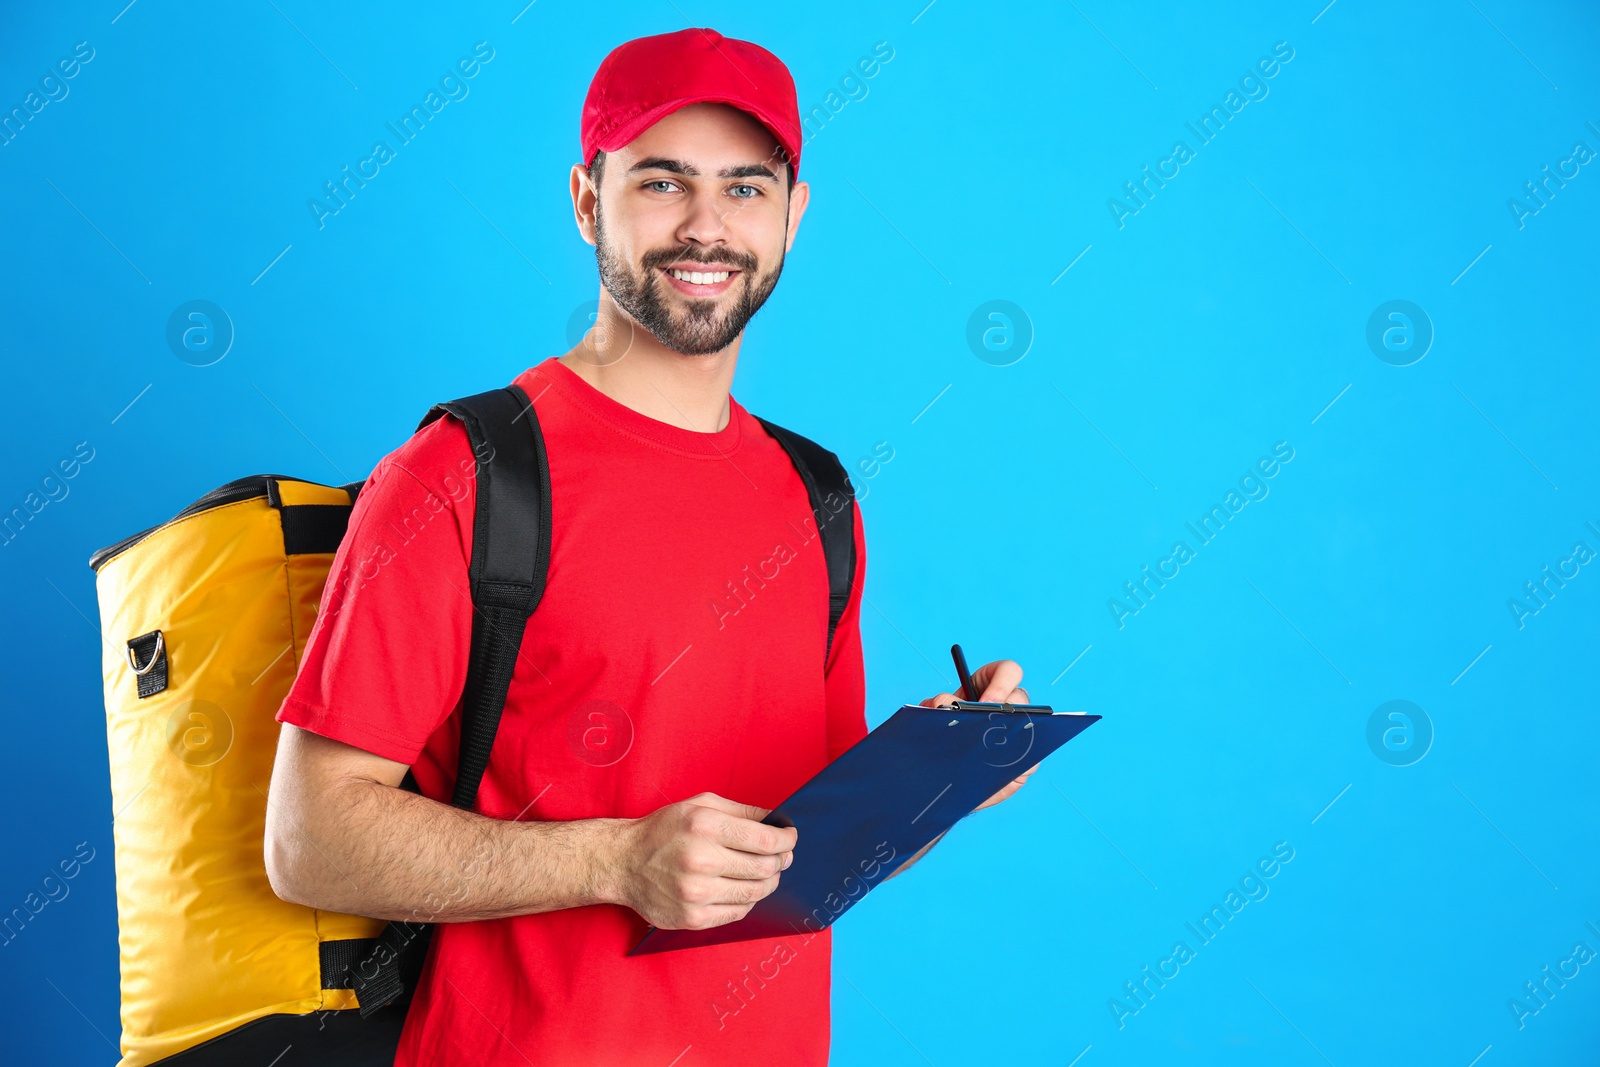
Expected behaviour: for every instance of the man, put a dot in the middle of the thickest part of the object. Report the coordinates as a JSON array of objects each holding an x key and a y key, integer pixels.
[{"x": 666, "y": 696}]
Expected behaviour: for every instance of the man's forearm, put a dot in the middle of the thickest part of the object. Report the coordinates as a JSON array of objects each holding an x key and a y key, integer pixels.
[{"x": 392, "y": 854}]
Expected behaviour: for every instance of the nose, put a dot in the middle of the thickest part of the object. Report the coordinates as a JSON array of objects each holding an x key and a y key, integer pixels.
[{"x": 704, "y": 222}]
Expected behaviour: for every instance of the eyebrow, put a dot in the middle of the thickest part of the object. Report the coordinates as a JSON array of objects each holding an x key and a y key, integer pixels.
[{"x": 742, "y": 170}]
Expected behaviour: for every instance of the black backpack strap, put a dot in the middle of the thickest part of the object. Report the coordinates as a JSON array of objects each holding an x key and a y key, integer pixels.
[
  {"x": 510, "y": 560},
  {"x": 833, "y": 502}
]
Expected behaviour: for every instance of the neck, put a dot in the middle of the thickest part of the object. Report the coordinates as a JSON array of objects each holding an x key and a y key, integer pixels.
[{"x": 625, "y": 362}]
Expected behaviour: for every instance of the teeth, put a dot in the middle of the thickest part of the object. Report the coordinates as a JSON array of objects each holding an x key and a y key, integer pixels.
[{"x": 695, "y": 277}]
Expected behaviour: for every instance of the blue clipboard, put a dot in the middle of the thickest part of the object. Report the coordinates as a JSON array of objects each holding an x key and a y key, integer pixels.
[{"x": 874, "y": 807}]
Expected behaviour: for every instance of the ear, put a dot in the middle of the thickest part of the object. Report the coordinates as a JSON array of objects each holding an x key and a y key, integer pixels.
[
  {"x": 585, "y": 200},
  {"x": 799, "y": 197}
]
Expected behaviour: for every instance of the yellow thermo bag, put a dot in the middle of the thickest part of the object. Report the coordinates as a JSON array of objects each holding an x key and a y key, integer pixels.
[{"x": 206, "y": 617}]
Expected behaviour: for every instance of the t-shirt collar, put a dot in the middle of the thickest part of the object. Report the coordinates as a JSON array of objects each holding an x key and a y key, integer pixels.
[{"x": 573, "y": 387}]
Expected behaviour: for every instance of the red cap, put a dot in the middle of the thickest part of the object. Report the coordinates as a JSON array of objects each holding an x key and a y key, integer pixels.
[{"x": 644, "y": 80}]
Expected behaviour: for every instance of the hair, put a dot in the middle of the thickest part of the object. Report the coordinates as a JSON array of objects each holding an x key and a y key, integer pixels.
[{"x": 598, "y": 168}]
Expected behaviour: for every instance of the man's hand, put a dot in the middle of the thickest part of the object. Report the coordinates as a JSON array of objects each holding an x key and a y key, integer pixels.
[
  {"x": 700, "y": 863},
  {"x": 999, "y": 682}
]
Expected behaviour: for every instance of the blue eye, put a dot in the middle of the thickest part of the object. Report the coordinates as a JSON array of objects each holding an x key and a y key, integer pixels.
[
  {"x": 753, "y": 190},
  {"x": 659, "y": 181}
]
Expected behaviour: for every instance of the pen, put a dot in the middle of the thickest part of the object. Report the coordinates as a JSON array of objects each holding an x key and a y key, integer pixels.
[{"x": 962, "y": 673}]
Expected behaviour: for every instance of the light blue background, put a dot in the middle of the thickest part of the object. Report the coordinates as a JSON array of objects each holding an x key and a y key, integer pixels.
[{"x": 1222, "y": 318}]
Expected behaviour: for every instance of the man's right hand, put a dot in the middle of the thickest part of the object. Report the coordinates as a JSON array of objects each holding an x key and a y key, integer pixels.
[{"x": 700, "y": 863}]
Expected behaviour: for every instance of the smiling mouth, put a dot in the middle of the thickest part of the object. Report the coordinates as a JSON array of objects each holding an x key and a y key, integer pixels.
[{"x": 699, "y": 283}]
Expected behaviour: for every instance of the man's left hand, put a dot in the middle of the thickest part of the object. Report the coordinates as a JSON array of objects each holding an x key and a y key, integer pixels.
[{"x": 999, "y": 682}]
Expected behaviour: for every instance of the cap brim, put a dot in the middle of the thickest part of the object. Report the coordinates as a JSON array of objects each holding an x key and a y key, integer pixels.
[{"x": 629, "y": 131}]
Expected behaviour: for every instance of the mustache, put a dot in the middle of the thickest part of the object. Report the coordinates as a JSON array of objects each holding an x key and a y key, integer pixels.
[{"x": 743, "y": 261}]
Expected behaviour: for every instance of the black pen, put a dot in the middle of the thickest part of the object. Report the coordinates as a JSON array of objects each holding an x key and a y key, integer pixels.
[{"x": 962, "y": 673}]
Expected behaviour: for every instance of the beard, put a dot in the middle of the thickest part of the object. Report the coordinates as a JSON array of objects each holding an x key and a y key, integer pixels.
[{"x": 702, "y": 327}]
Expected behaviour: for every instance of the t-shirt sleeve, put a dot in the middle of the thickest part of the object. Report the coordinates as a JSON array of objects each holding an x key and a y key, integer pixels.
[
  {"x": 386, "y": 660},
  {"x": 846, "y": 676}
]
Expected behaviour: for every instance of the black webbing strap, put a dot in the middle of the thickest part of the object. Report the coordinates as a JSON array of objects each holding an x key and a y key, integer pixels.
[
  {"x": 313, "y": 527},
  {"x": 388, "y": 965},
  {"x": 309, "y": 527},
  {"x": 340, "y": 960},
  {"x": 833, "y": 503},
  {"x": 510, "y": 559}
]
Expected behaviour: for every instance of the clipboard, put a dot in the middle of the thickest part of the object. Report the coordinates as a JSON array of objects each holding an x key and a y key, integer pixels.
[{"x": 863, "y": 815}]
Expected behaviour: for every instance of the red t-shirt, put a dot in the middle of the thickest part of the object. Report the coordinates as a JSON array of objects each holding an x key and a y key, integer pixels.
[{"x": 679, "y": 648}]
